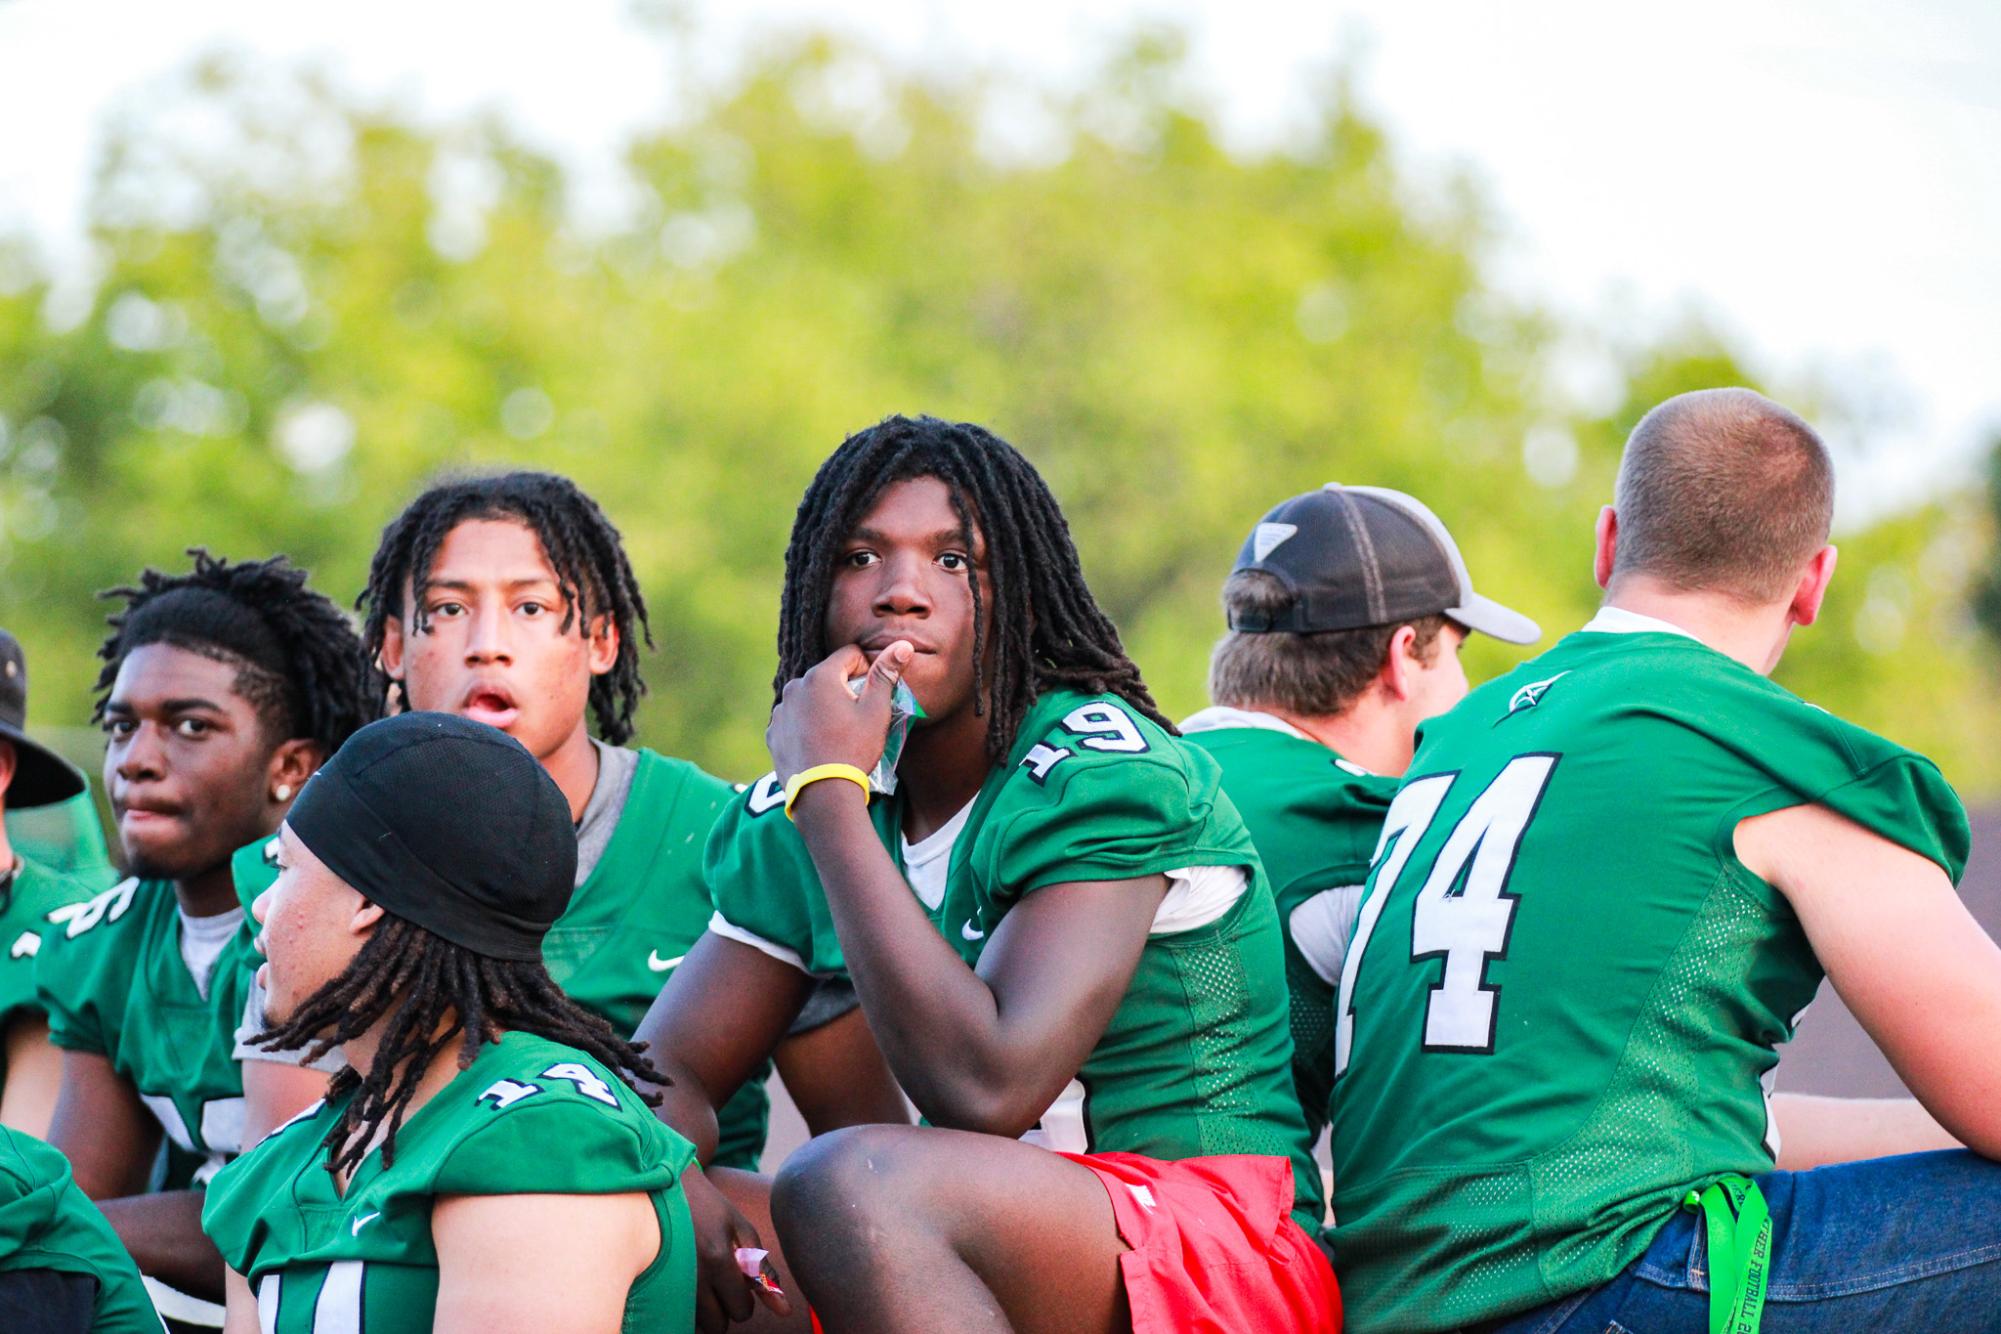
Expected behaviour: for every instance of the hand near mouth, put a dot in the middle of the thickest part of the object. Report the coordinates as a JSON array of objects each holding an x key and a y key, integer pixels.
[{"x": 820, "y": 719}]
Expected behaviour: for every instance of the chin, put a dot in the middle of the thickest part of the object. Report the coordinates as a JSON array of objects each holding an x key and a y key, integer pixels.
[{"x": 168, "y": 863}]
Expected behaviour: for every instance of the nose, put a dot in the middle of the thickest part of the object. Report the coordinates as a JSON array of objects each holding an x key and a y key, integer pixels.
[
  {"x": 902, "y": 591},
  {"x": 260, "y": 907},
  {"x": 487, "y": 637},
  {"x": 140, "y": 757}
]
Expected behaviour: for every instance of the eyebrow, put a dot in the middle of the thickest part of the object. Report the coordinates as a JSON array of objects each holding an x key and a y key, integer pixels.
[
  {"x": 875, "y": 537},
  {"x": 192, "y": 704},
  {"x": 467, "y": 586}
]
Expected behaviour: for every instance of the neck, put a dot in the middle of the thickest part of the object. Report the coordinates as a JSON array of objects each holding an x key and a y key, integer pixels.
[
  {"x": 207, "y": 893},
  {"x": 574, "y": 766},
  {"x": 1367, "y": 733},
  {"x": 361, "y": 1053},
  {"x": 1753, "y": 635},
  {"x": 943, "y": 765}
]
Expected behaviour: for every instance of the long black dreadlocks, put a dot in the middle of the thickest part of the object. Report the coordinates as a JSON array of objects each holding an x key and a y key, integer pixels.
[
  {"x": 299, "y": 663},
  {"x": 583, "y": 548},
  {"x": 432, "y": 991},
  {"x": 1048, "y": 630}
]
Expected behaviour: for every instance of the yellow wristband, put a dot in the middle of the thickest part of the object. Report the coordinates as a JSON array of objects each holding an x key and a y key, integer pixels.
[{"x": 805, "y": 778}]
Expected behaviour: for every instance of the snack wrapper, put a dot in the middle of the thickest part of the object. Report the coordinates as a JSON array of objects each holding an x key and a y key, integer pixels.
[
  {"x": 903, "y": 710},
  {"x": 751, "y": 1260}
]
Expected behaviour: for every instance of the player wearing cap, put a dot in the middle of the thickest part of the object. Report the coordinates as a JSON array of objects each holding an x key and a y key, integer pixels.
[
  {"x": 1056, "y": 924},
  {"x": 62, "y": 1269},
  {"x": 481, "y": 1161},
  {"x": 509, "y": 599},
  {"x": 1610, "y": 881},
  {"x": 31, "y": 897},
  {"x": 1346, "y": 611},
  {"x": 222, "y": 690}
]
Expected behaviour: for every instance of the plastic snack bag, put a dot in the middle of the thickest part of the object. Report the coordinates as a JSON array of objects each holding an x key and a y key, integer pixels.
[{"x": 903, "y": 710}]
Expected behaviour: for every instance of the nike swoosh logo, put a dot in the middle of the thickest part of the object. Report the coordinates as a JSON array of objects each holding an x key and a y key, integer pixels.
[
  {"x": 660, "y": 965},
  {"x": 968, "y": 932},
  {"x": 354, "y": 1228}
]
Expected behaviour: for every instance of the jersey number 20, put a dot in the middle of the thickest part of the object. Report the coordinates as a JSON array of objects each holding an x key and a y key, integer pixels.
[{"x": 1463, "y": 911}]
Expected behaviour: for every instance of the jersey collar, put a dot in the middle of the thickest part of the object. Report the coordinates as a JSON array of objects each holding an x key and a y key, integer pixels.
[
  {"x": 1219, "y": 716},
  {"x": 1612, "y": 620}
]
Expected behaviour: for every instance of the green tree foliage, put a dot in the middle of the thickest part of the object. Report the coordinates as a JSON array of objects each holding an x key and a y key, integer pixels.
[{"x": 325, "y": 304}]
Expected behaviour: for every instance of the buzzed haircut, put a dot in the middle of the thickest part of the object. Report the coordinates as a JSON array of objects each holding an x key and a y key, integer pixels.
[
  {"x": 1315, "y": 675},
  {"x": 1723, "y": 490}
]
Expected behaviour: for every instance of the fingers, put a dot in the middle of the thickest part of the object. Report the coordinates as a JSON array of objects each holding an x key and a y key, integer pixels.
[{"x": 885, "y": 673}]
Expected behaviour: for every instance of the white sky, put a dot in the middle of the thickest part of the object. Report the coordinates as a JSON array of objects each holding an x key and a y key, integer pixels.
[{"x": 1821, "y": 178}]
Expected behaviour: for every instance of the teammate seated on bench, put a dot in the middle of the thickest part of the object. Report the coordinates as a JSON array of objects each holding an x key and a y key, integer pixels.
[
  {"x": 480, "y": 1163},
  {"x": 1056, "y": 923},
  {"x": 222, "y": 690},
  {"x": 1610, "y": 881},
  {"x": 1347, "y": 609}
]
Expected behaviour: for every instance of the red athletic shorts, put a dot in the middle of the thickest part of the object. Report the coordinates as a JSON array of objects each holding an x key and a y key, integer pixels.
[{"x": 1214, "y": 1247}]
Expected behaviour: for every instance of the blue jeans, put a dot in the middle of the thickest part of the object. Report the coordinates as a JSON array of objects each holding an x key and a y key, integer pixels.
[{"x": 1879, "y": 1247}]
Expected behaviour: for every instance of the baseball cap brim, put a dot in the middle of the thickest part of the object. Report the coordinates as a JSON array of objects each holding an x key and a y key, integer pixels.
[
  {"x": 41, "y": 777},
  {"x": 1491, "y": 618}
]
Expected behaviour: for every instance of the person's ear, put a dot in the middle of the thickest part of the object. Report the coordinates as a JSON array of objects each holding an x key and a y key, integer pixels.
[
  {"x": 390, "y": 657},
  {"x": 367, "y": 916},
  {"x": 1812, "y": 589},
  {"x": 601, "y": 637},
  {"x": 1398, "y": 674},
  {"x": 291, "y": 765},
  {"x": 1606, "y": 546}
]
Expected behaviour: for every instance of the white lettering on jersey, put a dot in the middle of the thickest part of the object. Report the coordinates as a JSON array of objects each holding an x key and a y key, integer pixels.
[
  {"x": 338, "y": 1311},
  {"x": 26, "y": 946},
  {"x": 766, "y": 794},
  {"x": 1041, "y": 759},
  {"x": 586, "y": 1082},
  {"x": 505, "y": 1093},
  {"x": 1102, "y": 726},
  {"x": 106, "y": 907}
]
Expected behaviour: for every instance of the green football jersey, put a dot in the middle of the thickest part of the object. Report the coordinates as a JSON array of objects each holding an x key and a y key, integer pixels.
[
  {"x": 47, "y": 1223},
  {"x": 113, "y": 982},
  {"x": 635, "y": 917},
  {"x": 528, "y": 1116},
  {"x": 37, "y": 899},
  {"x": 1565, "y": 990},
  {"x": 1195, "y": 1059},
  {"x": 1315, "y": 818}
]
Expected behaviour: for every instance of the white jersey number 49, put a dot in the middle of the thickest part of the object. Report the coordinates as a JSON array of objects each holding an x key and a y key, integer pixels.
[{"x": 1462, "y": 913}]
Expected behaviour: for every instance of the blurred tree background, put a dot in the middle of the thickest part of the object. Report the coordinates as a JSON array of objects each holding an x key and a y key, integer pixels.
[{"x": 305, "y": 306}]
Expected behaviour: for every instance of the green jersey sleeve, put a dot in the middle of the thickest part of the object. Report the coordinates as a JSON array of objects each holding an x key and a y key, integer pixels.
[
  {"x": 39, "y": 898},
  {"x": 81, "y": 972},
  {"x": 603, "y": 1153},
  {"x": 765, "y": 890},
  {"x": 47, "y": 1223},
  {"x": 1104, "y": 794},
  {"x": 254, "y": 867}
]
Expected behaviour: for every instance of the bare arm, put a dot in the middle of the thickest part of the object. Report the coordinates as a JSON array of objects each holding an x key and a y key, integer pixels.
[
  {"x": 986, "y": 1050},
  {"x": 241, "y": 1304},
  {"x": 1918, "y": 972},
  {"x": 1815, "y": 1131},
  {"x": 111, "y": 1139},
  {"x": 34, "y": 1075},
  {"x": 588, "y": 1250},
  {"x": 725, "y": 1009},
  {"x": 837, "y": 1076}
]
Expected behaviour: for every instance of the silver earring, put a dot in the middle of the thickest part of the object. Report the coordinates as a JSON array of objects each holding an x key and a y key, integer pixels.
[{"x": 284, "y": 792}]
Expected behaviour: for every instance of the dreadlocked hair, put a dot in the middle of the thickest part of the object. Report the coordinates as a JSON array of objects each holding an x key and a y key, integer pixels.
[
  {"x": 584, "y": 551},
  {"x": 433, "y": 992},
  {"x": 1048, "y": 631},
  {"x": 299, "y": 663}
]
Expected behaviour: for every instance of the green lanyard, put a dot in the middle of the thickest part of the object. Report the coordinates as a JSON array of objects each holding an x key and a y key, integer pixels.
[{"x": 1740, "y": 1252}]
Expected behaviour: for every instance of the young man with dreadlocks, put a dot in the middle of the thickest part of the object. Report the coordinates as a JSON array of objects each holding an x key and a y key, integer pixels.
[
  {"x": 223, "y": 689},
  {"x": 1056, "y": 923},
  {"x": 509, "y": 600},
  {"x": 482, "y": 1116}
]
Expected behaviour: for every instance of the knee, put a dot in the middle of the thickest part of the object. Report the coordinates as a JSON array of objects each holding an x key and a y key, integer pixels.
[{"x": 856, "y": 1175}]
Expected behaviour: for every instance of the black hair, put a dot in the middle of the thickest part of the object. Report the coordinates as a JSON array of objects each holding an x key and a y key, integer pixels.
[
  {"x": 583, "y": 548},
  {"x": 298, "y": 661},
  {"x": 1048, "y": 631},
  {"x": 432, "y": 991}
]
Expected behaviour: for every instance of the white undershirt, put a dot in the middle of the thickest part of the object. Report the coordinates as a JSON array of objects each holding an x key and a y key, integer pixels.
[
  {"x": 202, "y": 942},
  {"x": 1618, "y": 621}
]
